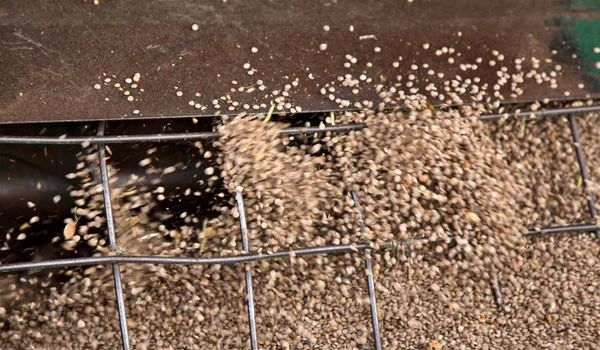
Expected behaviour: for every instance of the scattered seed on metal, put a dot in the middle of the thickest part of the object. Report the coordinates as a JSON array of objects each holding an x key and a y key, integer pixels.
[{"x": 367, "y": 37}]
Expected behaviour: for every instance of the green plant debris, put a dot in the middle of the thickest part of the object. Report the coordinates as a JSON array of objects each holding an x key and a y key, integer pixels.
[{"x": 269, "y": 114}]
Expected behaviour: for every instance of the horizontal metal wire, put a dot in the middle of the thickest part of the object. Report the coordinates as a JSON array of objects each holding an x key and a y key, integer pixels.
[
  {"x": 561, "y": 229},
  {"x": 542, "y": 113},
  {"x": 190, "y": 136},
  {"x": 244, "y": 258}
]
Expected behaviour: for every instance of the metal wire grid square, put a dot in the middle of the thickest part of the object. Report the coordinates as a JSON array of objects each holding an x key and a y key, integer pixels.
[{"x": 247, "y": 258}]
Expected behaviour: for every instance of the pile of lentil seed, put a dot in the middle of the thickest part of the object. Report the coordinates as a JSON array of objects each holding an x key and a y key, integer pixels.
[
  {"x": 453, "y": 192},
  {"x": 553, "y": 191}
]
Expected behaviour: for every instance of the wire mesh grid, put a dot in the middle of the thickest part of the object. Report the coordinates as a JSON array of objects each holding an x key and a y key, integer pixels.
[{"x": 248, "y": 257}]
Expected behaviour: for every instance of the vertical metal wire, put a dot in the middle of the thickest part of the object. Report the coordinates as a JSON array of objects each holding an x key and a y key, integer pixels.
[
  {"x": 370, "y": 280},
  {"x": 251, "y": 316},
  {"x": 374, "y": 312},
  {"x": 359, "y": 212},
  {"x": 112, "y": 238},
  {"x": 498, "y": 293},
  {"x": 582, "y": 167}
]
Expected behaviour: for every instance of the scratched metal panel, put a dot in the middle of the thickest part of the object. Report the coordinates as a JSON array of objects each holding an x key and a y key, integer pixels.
[{"x": 53, "y": 52}]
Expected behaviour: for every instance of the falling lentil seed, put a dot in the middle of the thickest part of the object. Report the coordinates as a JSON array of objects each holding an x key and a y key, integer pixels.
[
  {"x": 31, "y": 204},
  {"x": 315, "y": 148},
  {"x": 69, "y": 245},
  {"x": 169, "y": 170},
  {"x": 323, "y": 47},
  {"x": 97, "y": 86},
  {"x": 21, "y": 237},
  {"x": 144, "y": 162},
  {"x": 92, "y": 242},
  {"x": 195, "y": 27},
  {"x": 56, "y": 199},
  {"x": 69, "y": 230},
  {"x": 472, "y": 217}
]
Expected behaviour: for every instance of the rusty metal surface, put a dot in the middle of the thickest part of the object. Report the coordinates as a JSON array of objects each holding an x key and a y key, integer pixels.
[{"x": 53, "y": 52}]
